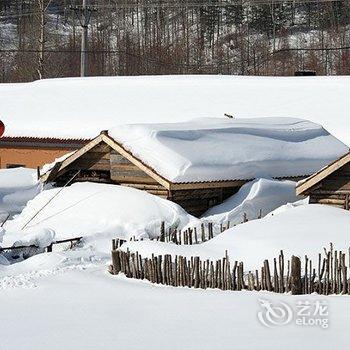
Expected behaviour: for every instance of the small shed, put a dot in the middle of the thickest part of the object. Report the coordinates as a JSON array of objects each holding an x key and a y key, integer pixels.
[
  {"x": 200, "y": 163},
  {"x": 330, "y": 185}
]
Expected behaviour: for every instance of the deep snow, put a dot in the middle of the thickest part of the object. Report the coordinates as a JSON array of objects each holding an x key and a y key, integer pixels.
[
  {"x": 300, "y": 230},
  {"x": 212, "y": 149},
  {"x": 254, "y": 199},
  {"x": 100, "y": 210},
  {"x": 17, "y": 187},
  {"x": 107, "y": 101},
  {"x": 53, "y": 304}
]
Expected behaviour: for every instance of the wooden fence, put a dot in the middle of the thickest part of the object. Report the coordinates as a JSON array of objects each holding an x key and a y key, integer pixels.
[
  {"x": 192, "y": 235},
  {"x": 72, "y": 241},
  {"x": 328, "y": 276}
]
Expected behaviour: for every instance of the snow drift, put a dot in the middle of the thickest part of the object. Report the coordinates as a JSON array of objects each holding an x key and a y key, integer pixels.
[
  {"x": 211, "y": 149},
  {"x": 253, "y": 199},
  {"x": 110, "y": 211},
  {"x": 301, "y": 230},
  {"x": 17, "y": 187},
  {"x": 120, "y": 100}
]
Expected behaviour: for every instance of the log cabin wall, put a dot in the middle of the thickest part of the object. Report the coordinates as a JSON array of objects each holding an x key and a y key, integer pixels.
[
  {"x": 333, "y": 190},
  {"x": 198, "y": 201},
  {"x": 102, "y": 164},
  {"x": 93, "y": 166}
]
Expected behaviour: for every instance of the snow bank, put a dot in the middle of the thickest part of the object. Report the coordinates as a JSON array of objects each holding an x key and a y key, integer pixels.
[
  {"x": 301, "y": 230},
  {"x": 17, "y": 187},
  {"x": 121, "y": 100},
  {"x": 261, "y": 195},
  {"x": 211, "y": 149},
  {"x": 106, "y": 211},
  {"x": 40, "y": 237}
]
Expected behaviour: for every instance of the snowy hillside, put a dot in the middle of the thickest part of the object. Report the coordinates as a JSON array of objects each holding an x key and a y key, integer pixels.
[{"x": 56, "y": 107}]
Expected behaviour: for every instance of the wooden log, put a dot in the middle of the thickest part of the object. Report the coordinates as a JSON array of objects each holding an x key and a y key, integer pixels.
[
  {"x": 295, "y": 276},
  {"x": 162, "y": 231},
  {"x": 196, "y": 272},
  {"x": 305, "y": 279},
  {"x": 281, "y": 270},
  {"x": 275, "y": 277},
  {"x": 116, "y": 262},
  {"x": 267, "y": 275}
]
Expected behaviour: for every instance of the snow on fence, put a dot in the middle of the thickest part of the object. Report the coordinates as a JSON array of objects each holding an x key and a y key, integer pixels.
[
  {"x": 72, "y": 241},
  {"x": 328, "y": 276},
  {"x": 192, "y": 235}
]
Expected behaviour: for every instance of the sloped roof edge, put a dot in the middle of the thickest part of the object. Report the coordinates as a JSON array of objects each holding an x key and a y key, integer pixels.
[{"x": 315, "y": 178}]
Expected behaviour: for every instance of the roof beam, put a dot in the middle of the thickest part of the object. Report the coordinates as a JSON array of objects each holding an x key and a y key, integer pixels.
[
  {"x": 321, "y": 174},
  {"x": 149, "y": 171}
]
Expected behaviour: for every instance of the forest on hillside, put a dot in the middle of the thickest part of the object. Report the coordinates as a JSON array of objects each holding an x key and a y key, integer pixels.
[{"x": 42, "y": 38}]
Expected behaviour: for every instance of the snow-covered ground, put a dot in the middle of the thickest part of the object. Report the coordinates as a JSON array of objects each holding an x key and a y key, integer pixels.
[
  {"x": 17, "y": 187},
  {"x": 67, "y": 299},
  {"x": 103, "y": 211},
  {"x": 301, "y": 230},
  {"x": 107, "y": 101},
  {"x": 254, "y": 199},
  {"x": 80, "y": 306}
]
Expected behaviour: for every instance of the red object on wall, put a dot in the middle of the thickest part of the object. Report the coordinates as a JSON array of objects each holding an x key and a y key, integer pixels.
[{"x": 2, "y": 128}]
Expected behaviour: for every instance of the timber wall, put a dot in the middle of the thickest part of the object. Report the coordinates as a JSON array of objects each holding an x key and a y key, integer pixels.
[
  {"x": 333, "y": 190},
  {"x": 104, "y": 165}
]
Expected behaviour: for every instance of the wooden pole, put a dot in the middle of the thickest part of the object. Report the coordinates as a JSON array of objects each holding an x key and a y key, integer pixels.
[{"x": 295, "y": 276}]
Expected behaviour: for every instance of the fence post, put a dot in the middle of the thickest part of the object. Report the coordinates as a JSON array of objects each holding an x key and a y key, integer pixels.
[
  {"x": 116, "y": 262},
  {"x": 295, "y": 276}
]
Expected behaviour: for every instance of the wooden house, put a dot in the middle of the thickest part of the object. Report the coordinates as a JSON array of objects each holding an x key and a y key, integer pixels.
[
  {"x": 330, "y": 185},
  {"x": 199, "y": 163},
  {"x": 104, "y": 160}
]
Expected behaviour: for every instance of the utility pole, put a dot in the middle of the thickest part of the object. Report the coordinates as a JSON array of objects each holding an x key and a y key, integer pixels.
[{"x": 84, "y": 15}]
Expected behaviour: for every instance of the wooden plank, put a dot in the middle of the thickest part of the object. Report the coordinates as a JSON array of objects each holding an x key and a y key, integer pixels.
[
  {"x": 330, "y": 196},
  {"x": 336, "y": 184},
  {"x": 129, "y": 173},
  {"x": 323, "y": 173},
  {"x": 96, "y": 156},
  {"x": 74, "y": 157},
  {"x": 144, "y": 186},
  {"x": 136, "y": 161},
  {"x": 199, "y": 185},
  {"x": 89, "y": 166},
  {"x": 125, "y": 167},
  {"x": 331, "y": 201},
  {"x": 329, "y": 192},
  {"x": 117, "y": 158}
]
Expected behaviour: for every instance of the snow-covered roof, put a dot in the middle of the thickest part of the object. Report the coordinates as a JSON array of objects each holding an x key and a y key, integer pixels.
[
  {"x": 81, "y": 107},
  {"x": 211, "y": 149}
]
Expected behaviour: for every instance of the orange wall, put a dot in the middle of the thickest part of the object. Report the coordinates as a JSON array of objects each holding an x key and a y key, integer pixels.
[{"x": 29, "y": 157}]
